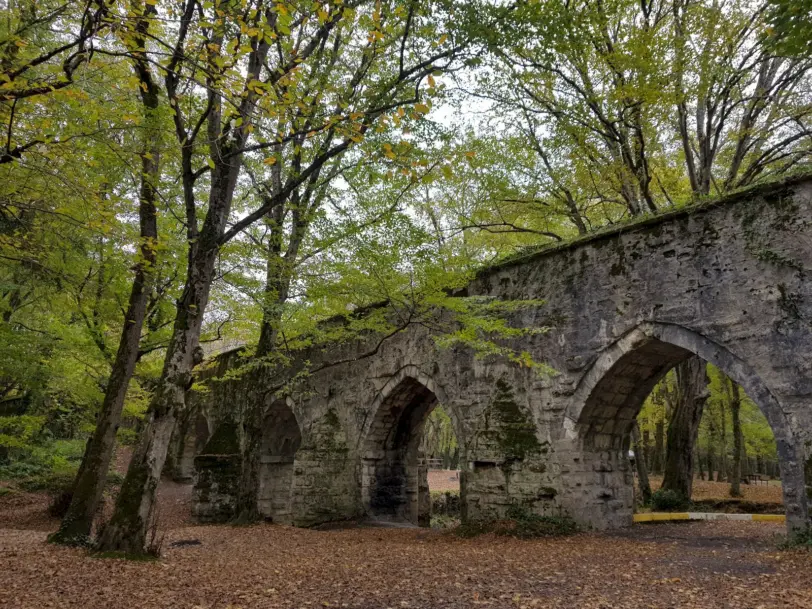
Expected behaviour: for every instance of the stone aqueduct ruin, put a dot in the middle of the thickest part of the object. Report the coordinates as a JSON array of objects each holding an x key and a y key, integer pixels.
[{"x": 728, "y": 281}]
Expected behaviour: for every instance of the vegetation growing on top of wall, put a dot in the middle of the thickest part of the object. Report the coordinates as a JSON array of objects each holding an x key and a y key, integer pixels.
[{"x": 769, "y": 189}]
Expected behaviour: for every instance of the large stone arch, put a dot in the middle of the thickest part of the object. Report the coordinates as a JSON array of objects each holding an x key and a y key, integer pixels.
[
  {"x": 609, "y": 395},
  {"x": 393, "y": 480}
]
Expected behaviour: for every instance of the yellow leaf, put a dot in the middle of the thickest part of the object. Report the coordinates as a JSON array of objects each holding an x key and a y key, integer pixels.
[
  {"x": 422, "y": 108},
  {"x": 271, "y": 160}
]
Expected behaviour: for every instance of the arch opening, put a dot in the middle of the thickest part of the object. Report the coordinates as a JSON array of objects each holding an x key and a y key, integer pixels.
[
  {"x": 394, "y": 471},
  {"x": 281, "y": 440},
  {"x": 193, "y": 436},
  {"x": 612, "y": 393}
]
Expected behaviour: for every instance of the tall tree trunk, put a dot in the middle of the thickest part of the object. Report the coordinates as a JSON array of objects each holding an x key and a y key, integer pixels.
[
  {"x": 640, "y": 464},
  {"x": 659, "y": 447},
  {"x": 277, "y": 286},
  {"x": 700, "y": 462},
  {"x": 692, "y": 393},
  {"x": 135, "y": 506},
  {"x": 89, "y": 484},
  {"x": 734, "y": 394},
  {"x": 279, "y": 274},
  {"x": 647, "y": 447},
  {"x": 721, "y": 475}
]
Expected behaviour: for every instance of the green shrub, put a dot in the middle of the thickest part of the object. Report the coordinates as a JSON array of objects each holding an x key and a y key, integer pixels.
[
  {"x": 126, "y": 436},
  {"x": 52, "y": 482},
  {"x": 666, "y": 500},
  {"x": 523, "y": 524},
  {"x": 441, "y": 521},
  {"x": 115, "y": 479},
  {"x": 797, "y": 540},
  {"x": 445, "y": 503}
]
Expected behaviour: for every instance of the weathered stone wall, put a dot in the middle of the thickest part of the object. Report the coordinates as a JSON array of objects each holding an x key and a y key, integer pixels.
[{"x": 728, "y": 281}]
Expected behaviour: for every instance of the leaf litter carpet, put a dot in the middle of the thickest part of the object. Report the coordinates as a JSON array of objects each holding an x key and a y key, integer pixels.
[
  {"x": 703, "y": 564},
  {"x": 688, "y": 565}
]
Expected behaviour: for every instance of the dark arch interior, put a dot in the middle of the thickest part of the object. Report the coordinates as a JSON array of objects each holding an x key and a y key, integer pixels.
[
  {"x": 394, "y": 483},
  {"x": 280, "y": 440}
]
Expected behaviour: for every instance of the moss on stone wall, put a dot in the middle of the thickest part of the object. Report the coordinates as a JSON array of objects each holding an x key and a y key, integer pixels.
[{"x": 513, "y": 430}]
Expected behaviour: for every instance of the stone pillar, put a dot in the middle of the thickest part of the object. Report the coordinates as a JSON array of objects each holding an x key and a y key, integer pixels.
[
  {"x": 325, "y": 487},
  {"x": 326, "y": 475},
  {"x": 596, "y": 482},
  {"x": 423, "y": 495},
  {"x": 214, "y": 496},
  {"x": 505, "y": 463}
]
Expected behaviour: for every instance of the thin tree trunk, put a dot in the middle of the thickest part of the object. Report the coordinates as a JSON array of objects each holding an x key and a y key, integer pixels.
[
  {"x": 89, "y": 485},
  {"x": 640, "y": 463},
  {"x": 699, "y": 461},
  {"x": 692, "y": 390},
  {"x": 659, "y": 445},
  {"x": 647, "y": 447},
  {"x": 738, "y": 438},
  {"x": 135, "y": 506},
  {"x": 721, "y": 476}
]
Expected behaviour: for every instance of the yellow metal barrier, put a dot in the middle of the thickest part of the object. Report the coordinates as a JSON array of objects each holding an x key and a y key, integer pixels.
[{"x": 671, "y": 516}]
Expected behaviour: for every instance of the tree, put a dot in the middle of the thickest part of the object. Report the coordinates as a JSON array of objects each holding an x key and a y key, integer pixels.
[
  {"x": 640, "y": 464},
  {"x": 734, "y": 397},
  {"x": 288, "y": 93},
  {"x": 90, "y": 480},
  {"x": 38, "y": 56}
]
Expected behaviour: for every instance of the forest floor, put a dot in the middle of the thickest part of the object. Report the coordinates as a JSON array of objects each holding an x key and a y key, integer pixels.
[
  {"x": 690, "y": 565},
  {"x": 761, "y": 492}
]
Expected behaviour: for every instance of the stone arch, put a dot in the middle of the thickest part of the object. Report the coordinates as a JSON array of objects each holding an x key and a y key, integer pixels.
[
  {"x": 410, "y": 371},
  {"x": 281, "y": 439},
  {"x": 611, "y": 393},
  {"x": 394, "y": 483}
]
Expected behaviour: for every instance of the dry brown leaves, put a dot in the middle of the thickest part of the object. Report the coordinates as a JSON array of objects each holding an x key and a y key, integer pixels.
[
  {"x": 756, "y": 492},
  {"x": 690, "y": 565},
  {"x": 704, "y": 564},
  {"x": 444, "y": 480}
]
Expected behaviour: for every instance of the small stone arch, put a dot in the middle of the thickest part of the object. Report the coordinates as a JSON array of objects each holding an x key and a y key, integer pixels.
[
  {"x": 413, "y": 372},
  {"x": 609, "y": 396},
  {"x": 281, "y": 440},
  {"x": 394, "y": 483}
]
